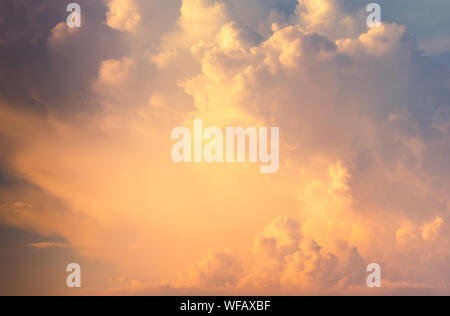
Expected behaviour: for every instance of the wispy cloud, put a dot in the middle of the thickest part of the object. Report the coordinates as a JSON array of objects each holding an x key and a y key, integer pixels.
[{"x": 47, "y": 245}]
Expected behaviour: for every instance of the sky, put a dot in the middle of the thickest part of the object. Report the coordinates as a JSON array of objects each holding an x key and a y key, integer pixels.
[{"x": 86, "y": 174}]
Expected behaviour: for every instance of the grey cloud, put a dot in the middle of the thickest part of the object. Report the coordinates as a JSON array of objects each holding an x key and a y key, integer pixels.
[{"x": 44, "y": 78}]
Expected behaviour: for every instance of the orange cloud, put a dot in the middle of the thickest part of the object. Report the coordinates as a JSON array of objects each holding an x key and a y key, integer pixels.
[
  {"x": 361, "y": 179},
  {"x": 123, "y": 15},
  {"x": 47, "y": 245}
]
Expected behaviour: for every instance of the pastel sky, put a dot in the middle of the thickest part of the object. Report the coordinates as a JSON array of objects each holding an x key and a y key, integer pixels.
[{"x": 86, "y": 175}]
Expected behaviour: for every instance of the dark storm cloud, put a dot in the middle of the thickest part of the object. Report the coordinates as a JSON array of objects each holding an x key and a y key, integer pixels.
[{"x": 37, "y": 75}]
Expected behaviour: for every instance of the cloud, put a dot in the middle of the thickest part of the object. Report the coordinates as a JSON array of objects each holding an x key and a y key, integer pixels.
[
  {"x": 430, "y": 231},
  {"x": 377, "y": 41},
  {"x": 47, "y": 245},
  {"x": 123, "y": 15},
  {"x": 282, "y": 260},
  {"x": 436, "y": 46},
  {"x": 364, "y": 146},
  {"x": 301, "y": 263},
  {"x": 17, "y": 205},
  {"x": 61, "y": 32},
  {"x": 44, "y": 63},
  {"x": 115, "y": 72},
  {"x": 332, "y": 18},
  {"x": 280, "y": 238},
  {"x": 216, "y": 270}
]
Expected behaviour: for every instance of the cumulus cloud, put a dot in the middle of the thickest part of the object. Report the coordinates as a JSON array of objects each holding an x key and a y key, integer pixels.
[
  {"x": 295, "y": 264},
  {"x": 123, "y": 15},
  {"x": 61, "y": 32},
  {"x": 364, "y": 146},
  {"x": 216, "y": 270},
  {"x": 115, "y": 72},
  {"x": 280, "y": 238},
  {"x": 302, "y": 264},
  {"x": 430, "y": 231}
]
